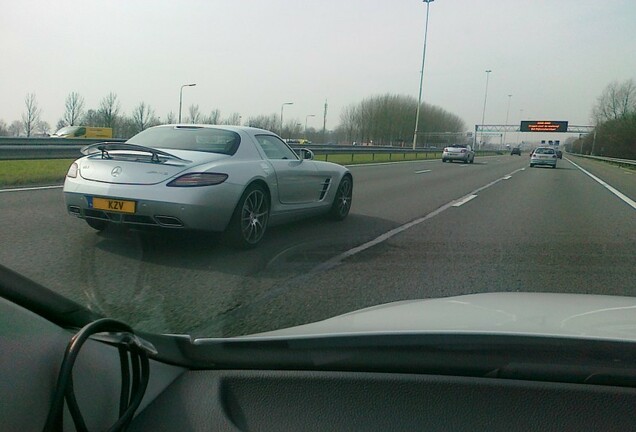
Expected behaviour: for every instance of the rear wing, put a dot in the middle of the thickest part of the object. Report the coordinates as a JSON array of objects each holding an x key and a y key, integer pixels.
[{"x": 157, "y": 156}]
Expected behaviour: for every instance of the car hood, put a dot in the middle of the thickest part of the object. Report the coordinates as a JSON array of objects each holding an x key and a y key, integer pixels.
[{"x": 539, "y": 314}]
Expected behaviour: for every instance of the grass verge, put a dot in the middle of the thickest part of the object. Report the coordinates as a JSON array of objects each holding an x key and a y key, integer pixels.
[
  {"x": 33, "y": 172},
  {"x": 52, "y": 171}
]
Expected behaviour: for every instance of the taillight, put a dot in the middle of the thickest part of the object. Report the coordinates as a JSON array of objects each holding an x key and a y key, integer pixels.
[
  {"x": 198, "y": 179},
  {"x": 554, "y": 156},
  {"x": 72, "y": 171}
]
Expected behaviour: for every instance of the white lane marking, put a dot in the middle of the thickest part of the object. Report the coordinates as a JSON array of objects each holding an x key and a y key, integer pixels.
[
  {"x": 613, "y": 190},
  {"x": 464, "y": 200},
  {"x": 333, "y": 262},
  {"x": 31, "y": 188},
  {"x": 390, "y": 163},
  {"x": 422, "y": 171},
  {"x": 507, "y": 177}
]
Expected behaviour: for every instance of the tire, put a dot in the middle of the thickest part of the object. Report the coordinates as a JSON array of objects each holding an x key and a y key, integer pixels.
[
  {"x": 531, "y": 165},
  {"x": 249, "y": 220},
  {"x": 465, "y": 161},
  {"x": 472, "y": 160},
  {"x": 444, "y": 160},
  {"x": 342, "y": 201},
  {"x": 97, "y": 224}
]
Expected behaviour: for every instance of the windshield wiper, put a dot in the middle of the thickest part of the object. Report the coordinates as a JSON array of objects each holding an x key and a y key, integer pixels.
[{"x": 105, "y": 147}]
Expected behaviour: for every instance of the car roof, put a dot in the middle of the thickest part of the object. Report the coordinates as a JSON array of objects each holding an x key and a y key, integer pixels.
[{"x": 232, "y": 128}]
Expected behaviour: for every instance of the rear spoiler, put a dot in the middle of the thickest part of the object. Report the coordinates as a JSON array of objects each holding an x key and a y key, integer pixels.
[{"x": 106, "y": 147}]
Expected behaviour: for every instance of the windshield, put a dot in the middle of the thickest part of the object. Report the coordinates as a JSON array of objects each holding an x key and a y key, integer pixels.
[{"x": 298, "y": 176}]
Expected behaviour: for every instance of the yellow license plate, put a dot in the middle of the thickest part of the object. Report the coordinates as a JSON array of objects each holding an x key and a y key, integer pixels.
[{"x": 114, "y": 205}]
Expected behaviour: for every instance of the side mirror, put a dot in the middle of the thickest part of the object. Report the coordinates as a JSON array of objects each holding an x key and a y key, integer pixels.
[{"x": 306, "y": 154}]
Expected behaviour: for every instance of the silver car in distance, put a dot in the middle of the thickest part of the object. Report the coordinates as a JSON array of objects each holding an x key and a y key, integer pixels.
[
  {"x": 237, "y": 180},
  {"x": 543, "y": 156},
  {"x": 460, "y": 152}
]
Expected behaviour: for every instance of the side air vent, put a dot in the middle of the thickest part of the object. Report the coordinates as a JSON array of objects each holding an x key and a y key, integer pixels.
[{"x": 325, "y": 188}]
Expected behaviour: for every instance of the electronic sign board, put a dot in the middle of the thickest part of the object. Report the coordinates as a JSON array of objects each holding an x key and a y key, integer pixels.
[{"x": 543, "y": 126}]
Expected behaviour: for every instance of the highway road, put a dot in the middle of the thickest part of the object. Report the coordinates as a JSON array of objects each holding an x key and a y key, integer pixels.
[{"x": 416, "y": 230}]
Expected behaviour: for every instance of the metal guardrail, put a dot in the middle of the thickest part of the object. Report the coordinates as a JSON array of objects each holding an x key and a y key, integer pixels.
[
  {"x": 60, "y": 148},
  {"x": 20, "y": 152},
  {"x": 16, "y": 148},
  {"x": 629, "y": 162},
  {"x": 39, "y": 141}
]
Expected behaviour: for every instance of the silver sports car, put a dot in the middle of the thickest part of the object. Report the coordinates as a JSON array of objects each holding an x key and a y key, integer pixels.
[{"x": 217, "y": 178}]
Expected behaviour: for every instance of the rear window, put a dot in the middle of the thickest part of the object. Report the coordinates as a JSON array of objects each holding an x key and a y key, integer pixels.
[
  {"x": 544, "y": 151},
  {"x": 189, "y": 138},
  {"x": 457, "y": 146}
]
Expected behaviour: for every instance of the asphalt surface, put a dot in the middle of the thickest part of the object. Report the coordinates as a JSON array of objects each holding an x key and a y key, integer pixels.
[{"x": 416, "y": 230}]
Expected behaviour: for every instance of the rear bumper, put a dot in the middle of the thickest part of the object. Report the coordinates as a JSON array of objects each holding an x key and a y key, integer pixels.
[
  {"x": 207, "y": 208},
  {"x": 456, "y": 156},
  {"x": 550, "y": 162}
]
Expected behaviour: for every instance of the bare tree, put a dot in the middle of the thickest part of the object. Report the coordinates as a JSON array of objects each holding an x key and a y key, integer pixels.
[
  {"x": 214, "y": 117},
  {"x": 15, "y": 129},
  {"x": 109, "y": 110},
  {"x": 292, "y": 129},
  {"x": 233, "y": 119},
  {"x": 617, "y": 101},
  {"x": 91, "y": 118},
  {"x": 126, "y": 127},
  {"x": 615, "y": 117},
  {"x": 270, "y": 122},
  {"x": 74, "y": 109},
  {"x": 389, "y": 119},
  {"x": 171, "y": 118},
  {"x": 143, "y": 117},
  {"x": 194, "y": 114},
  {"x": 43, "y": 128},
  {"x": 4, "y": 129},
  {"x": 31, "y": 116}
]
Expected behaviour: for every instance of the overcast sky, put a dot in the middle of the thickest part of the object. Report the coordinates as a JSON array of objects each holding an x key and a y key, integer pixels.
[{"x": 249, "y": 56}]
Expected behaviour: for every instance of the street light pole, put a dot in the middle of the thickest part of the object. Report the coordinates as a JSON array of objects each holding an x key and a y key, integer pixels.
[
  {"x": 419, "y": 99},
  {"x": 181, "y": 97},
  {"x": 507, "y": 113},
  {"x": 281, "y": 116},
  {"x": 306, "y": 117},
  {"x": 483, "y": 114}
]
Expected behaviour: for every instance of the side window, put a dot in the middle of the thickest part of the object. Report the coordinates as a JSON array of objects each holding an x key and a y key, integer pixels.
[
  {"x": 274, "y": 148},
  {"x": 80, "y": 132}
]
